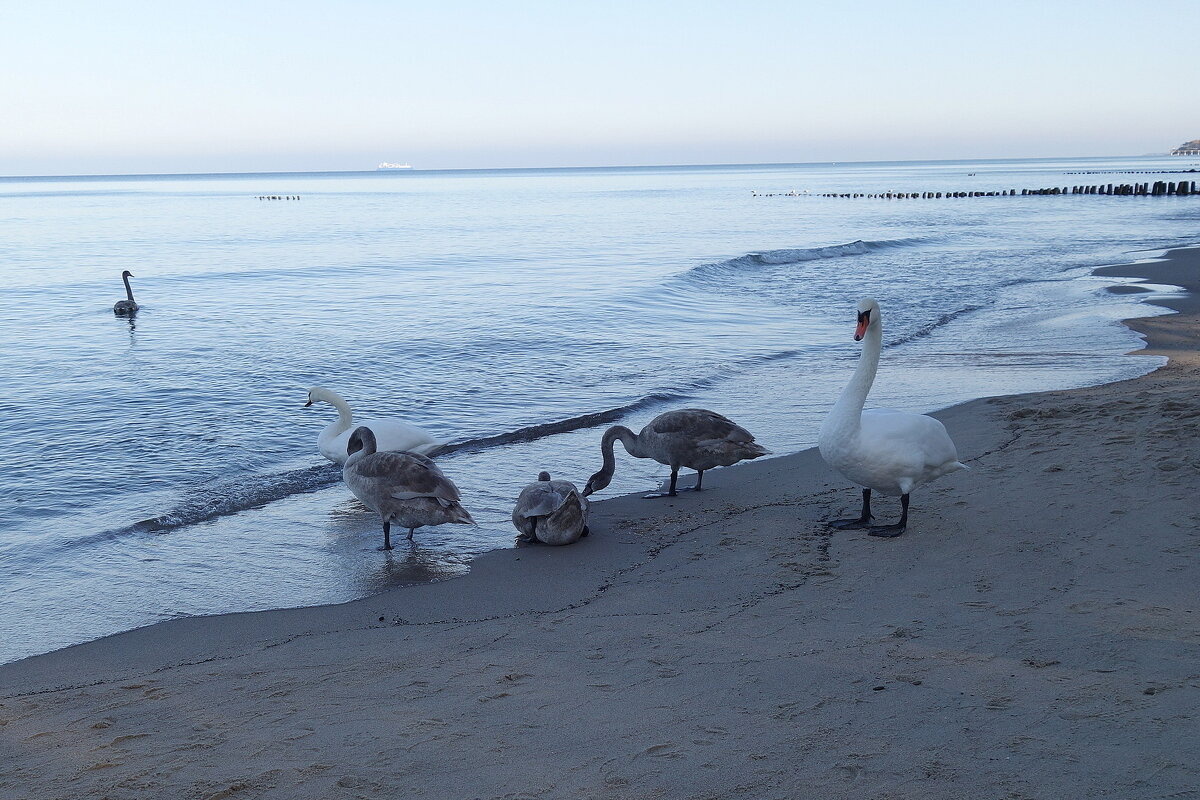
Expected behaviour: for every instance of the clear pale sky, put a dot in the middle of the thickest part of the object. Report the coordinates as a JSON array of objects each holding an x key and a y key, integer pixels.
[{"x": 167, "y": 86}]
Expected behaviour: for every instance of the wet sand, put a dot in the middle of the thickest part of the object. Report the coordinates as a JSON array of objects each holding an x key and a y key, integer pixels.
[{"x": 1034, "y": 634}]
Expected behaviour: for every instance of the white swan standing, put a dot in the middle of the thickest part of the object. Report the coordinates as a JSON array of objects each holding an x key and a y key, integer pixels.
[
  {"x": 127, "y": 307},
  {"x": 690, "y": 437},
  {"x": 390, "y": 434},
  {"x": 887, "y": 451},
  {"x": 406, "y": 488},
  {"x": 551, "y": 512}
]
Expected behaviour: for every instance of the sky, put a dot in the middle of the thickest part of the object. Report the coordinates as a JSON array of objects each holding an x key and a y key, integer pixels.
[{"x": 105, "y": 87}]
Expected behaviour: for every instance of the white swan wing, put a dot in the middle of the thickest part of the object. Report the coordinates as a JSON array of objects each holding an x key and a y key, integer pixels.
[
  {"x": 390, "y": 435},
  {"x": 395, "y": 434},
  {"x": 915, "y": 443}
]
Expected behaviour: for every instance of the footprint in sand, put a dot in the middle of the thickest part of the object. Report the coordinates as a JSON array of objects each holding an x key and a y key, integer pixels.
[
  {"x": 666, "y": 750},
  {"x": 128, "y": 738},
  {"x": 850, "y": 772}
]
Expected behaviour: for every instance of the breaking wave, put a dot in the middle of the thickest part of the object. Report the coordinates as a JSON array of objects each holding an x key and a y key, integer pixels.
[
  {"x": 222, "y": 498},
  {"x": 770, "y": 258}
]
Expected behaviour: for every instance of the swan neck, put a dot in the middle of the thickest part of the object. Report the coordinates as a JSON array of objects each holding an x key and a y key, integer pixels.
[
  {"x": 369, "y": 446},
  {"x": 345, "y": 415},
  {"x": 854, "y": 396},
  {"x": 627, "y": 437},
  {"x": 128, "y": 290}
]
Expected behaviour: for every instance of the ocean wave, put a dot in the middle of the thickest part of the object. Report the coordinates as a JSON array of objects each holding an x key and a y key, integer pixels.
[
  {"x": 222, "y": 498},
  {"x": 930, "y": 327},
  {"x": 802, "y": 254}
]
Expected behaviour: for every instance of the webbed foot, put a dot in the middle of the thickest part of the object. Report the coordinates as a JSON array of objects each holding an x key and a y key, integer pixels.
[{"x": 850, "y": 524}]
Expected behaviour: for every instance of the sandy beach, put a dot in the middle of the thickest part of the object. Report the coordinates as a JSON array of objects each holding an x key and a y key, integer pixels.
[{"x": 1034, "y": 634}]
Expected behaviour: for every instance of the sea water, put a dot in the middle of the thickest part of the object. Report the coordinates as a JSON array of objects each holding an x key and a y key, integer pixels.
[{"x": 165, "y": 465}]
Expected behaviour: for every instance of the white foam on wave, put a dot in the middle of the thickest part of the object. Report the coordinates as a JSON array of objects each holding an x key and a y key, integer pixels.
[{"x": 799, "y": 255}]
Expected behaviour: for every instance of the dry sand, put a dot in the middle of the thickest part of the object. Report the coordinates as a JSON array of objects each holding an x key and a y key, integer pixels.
[{"x": 1035, "y": 634}]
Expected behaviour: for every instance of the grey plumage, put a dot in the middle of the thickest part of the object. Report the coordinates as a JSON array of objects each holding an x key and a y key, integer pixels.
[
  {"x": 691, "y": 437},
  {"x": 405, "y": 488},
  {"x": 551, "y": 512}
]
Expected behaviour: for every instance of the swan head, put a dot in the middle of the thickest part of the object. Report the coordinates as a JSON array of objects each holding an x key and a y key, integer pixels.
[
  {"x": 597, "y": 482},
  {"x": 543, "y": 476},
  {"x": 126, "y": 274},
  {"x": 363, "y": 439},
  {"x": 868, "y": 315},
  {"x": 317, "y": 395}
]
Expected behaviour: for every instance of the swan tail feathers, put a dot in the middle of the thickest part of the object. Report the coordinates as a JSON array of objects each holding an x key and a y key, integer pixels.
[
  {"x": 545, "y": 507},
  {"x": 571, "y": 500},
  {"x": 754, "y": 450}
]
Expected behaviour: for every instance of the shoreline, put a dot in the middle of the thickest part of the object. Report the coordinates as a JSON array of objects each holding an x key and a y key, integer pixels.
[
  {"x": 175, "y": 578},
  {"x": 728, "y": 628}
]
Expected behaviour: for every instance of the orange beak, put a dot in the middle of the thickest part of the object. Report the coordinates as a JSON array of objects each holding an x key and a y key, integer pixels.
[{"x": 861, "y": 330}]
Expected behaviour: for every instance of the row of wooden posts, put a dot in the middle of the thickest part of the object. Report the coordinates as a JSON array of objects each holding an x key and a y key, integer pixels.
[
  {"x": 1129, "y": 171},
  {"x": 1156, "y": 189}
]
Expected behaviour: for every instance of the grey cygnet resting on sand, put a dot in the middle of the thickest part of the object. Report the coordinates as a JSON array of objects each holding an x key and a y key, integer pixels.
[{"x": 551, "y": 512}]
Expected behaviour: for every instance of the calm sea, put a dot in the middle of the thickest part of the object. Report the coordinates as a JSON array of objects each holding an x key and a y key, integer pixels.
[{"x": 165, "y": 466}]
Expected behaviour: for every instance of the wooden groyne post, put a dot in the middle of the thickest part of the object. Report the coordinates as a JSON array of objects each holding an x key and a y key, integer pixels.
[{"x": 1156, "y": 189}]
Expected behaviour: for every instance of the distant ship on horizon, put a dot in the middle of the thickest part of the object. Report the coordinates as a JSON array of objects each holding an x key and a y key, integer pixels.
[{"x": 385, "y": 165}]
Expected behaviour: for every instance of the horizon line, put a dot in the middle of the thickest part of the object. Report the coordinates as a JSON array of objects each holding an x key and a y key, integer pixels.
[{"x": 415, "y": 170}]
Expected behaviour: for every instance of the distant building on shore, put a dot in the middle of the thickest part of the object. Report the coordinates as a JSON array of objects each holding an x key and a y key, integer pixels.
[{"x": 1191, "y": 148}]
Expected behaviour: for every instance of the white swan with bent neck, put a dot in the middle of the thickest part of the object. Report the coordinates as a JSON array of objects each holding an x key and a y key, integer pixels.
[
  {"x": 891, "y": 452},
  {"x": 391, "y": 434}
]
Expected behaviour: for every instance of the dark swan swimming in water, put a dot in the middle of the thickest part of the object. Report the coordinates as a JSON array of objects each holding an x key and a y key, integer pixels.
[{"x": 126, "y": 308}]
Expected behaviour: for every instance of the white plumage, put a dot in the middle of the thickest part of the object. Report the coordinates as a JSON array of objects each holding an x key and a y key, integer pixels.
[
  {"x": 891, "y": 452},
  {"x": 390, "y": 434}
]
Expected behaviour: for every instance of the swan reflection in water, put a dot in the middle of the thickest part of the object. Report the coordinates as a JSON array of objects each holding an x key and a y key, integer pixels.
[{"x": 352, "y": 528}]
